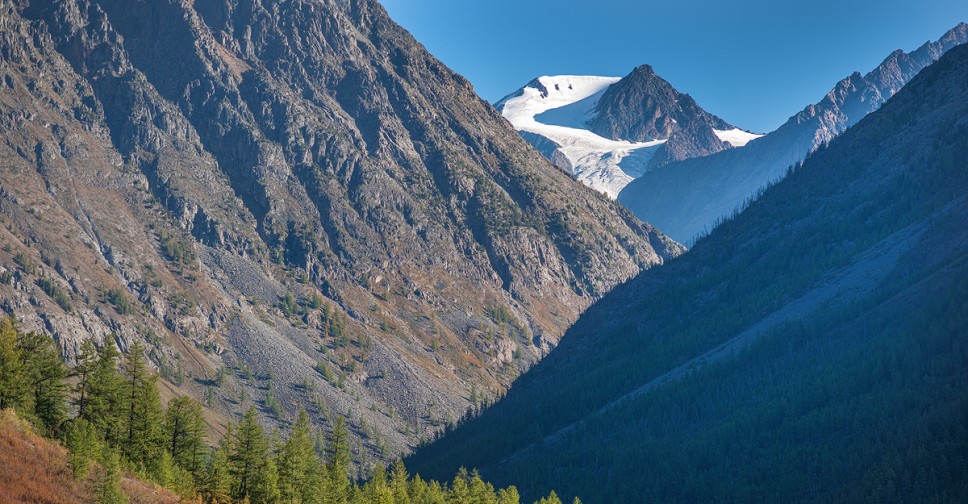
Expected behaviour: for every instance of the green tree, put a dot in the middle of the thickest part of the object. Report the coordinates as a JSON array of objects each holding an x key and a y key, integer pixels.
[
  {"x": 508, "y": 495},
  {"x": 337, "y": 485},
  {"x": 13, "y": 389},
  {"x": 376, "y": 490},
  {"x": 44, "y": 372},
  {"x": 217, "y": 487},
  {"x": 143, "y": 439},
  {"x": 109, "y": 484},
  {"x": 249, "y": 453},
  {"x": 266, "y": 487},
  {"x": 298, "y": 464},
  {"x": 459, "y": 491},
  {"x": 185, "y": 434},
  {"x": 83, "y": 371},
  {"x": 83, "y": 446},
  {"x": 398, "y": 483},
  {"x": 480, "y": 492},
  {"x": 552, "y": 498},
  {"x": 98, "y": 390}
]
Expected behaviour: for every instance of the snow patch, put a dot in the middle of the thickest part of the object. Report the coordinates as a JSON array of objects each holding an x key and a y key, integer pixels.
[
  {"x": 736, "y": 137},
  {"x": 558, "y": 108}
]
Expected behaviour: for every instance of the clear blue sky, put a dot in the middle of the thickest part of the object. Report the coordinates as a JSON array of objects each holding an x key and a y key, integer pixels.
[{"x": 752, "y": 62}]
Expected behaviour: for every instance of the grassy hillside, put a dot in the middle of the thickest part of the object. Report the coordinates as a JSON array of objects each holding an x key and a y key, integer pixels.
[{"x": 35, "y": 469}]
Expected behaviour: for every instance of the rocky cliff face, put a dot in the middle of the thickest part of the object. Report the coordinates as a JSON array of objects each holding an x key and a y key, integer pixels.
[
  {"x": 606, "y": 131},
  {"x": 293, "y": 195},
  {"x": 643, "y": 106},
  {"x": 688, "y": 198}
]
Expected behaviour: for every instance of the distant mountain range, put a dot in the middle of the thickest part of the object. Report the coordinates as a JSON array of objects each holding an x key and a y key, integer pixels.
[
  {"x": 687, "y": 173},
  {"x": 810, "y": 349},
  {"x": 688, "y": 198},
  {"x": 606, "y": 131}
]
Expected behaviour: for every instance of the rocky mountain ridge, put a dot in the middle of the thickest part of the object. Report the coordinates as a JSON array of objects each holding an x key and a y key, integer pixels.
[
  {"x": 293, "y": 205},
  {"x": 607, "y": 131},
  {"x": 688, "y": 198},
  {"x": 643, "y": 106}
]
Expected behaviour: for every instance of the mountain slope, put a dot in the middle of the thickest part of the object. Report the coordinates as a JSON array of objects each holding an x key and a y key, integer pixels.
[
  {"x": 293, "y": 204},
  {"x": 686, "y": 199},
  {"x": 608, "y": 130},
  {"x": 35, "y": 469},
  {"x": 809, "y": 349}
]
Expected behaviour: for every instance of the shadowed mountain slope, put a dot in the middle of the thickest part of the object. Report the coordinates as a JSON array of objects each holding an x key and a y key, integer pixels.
[
  {"x": 689, "y": 198},
  {"x": 810, "y": 349}
]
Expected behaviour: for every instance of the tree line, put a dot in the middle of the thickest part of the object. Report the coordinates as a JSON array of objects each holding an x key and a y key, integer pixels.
[{"x": 111, "y": 417}]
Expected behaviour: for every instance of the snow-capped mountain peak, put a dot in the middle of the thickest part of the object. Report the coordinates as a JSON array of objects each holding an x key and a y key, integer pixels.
[
  {"x": 553, "y": 111},
  {"x": 607, "y": 131}
]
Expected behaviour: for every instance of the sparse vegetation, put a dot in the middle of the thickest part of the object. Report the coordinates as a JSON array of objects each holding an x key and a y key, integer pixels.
[
  {"x": 26, "y": 265},
  {"x": 121, "y": 424},
  {"x": 55, "y": 292},
  {"x": 177, "y": 250},
  {"x": 120, "y": 301}
]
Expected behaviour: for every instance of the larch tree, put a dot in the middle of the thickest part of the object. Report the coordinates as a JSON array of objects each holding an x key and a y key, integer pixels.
[
  {"x": 249, "y": 453},
  {"x": 185, "y": 434},
  {"x": 44, "y": 373},
  {"x": 337, "y": 485},
  {"x": 13, "y": 390},
  {"x": 143, "y": 436}
]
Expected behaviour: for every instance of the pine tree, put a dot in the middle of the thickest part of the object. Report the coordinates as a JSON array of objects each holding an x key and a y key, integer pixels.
[
  {"x": 13, "y": 390},
  {"x": 376, "y": 490},
  {"x": 459, "y": 492},
  {"x": 248, "y": 455},
  {"x": 480, "y": 492},
  {"x": 297, "y": 462},
  {"x": 99, "y": 390},
  {"x": 83, "y": 370},
  {"x": 435, "y": 494},
  {"x": 163, "y": 469},
  {"x": 217, "y": 487},
  {"x": 398, "y": 482},
  {"x": 266, "y": 488},
  {"x": 109, "y": 484},
  {"x": 44, "y": 372},
  {"x": 313, "y": 489},
  {"x": 84, "y": 446},
  {"x": 143, "y": 435},
  {"x": 552, "y": 498},
  {"x": 337, "y": 484},
  {"x": 185, "y": 434},
  {"x": 508, "y": 495}
]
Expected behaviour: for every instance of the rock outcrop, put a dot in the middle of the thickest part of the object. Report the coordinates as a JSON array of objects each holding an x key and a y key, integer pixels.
[{"x": 293, "y": 204}]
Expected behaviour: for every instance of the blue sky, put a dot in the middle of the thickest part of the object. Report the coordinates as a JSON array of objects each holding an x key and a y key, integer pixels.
[{"x": 752, "y": 62}]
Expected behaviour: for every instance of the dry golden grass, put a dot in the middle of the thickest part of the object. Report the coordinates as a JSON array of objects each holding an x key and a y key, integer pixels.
[{"x": 35, "y": 470}]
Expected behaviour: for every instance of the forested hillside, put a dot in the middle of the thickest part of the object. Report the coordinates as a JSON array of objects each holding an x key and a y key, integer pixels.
[{"x": 810, "y": 349}]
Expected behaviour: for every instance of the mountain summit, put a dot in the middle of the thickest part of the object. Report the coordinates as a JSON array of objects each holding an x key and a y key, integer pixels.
[
  {"x": 608, "y": 130},
  {"x": 688, "y": 198},
  {"x": 643, "y": 106}
]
